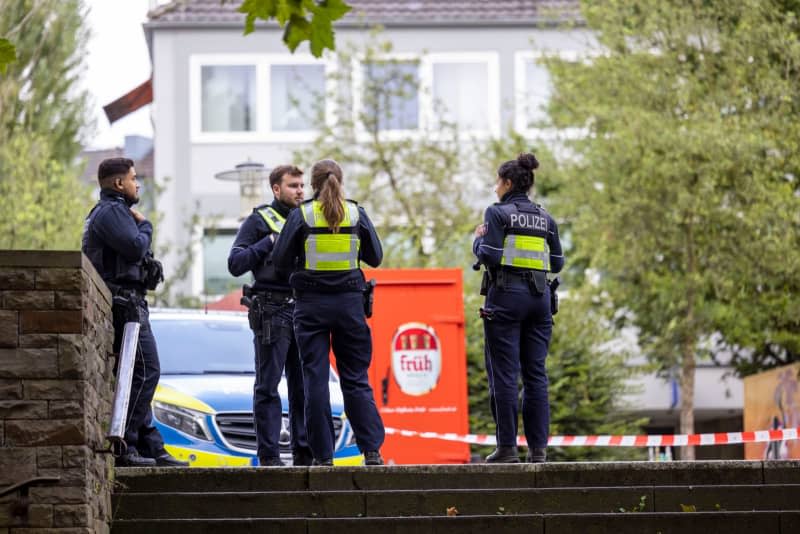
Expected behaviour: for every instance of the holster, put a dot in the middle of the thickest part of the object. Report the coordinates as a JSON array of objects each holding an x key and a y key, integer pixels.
[
  {"x": 537, "y": 282},
  {"x": 260, "y": 312},
  {"x": 554, "y": 283},
  {"x": 126, "y": 307},
  {"x": 486, "y": 281},
  {"x": 369, "y": 297}
]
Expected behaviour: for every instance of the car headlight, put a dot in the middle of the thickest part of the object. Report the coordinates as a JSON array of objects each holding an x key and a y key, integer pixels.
[{"x": 187, "y": 421}]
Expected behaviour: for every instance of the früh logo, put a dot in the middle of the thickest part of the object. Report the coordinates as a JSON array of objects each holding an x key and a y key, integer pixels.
[{"x": 416, "y": 358}]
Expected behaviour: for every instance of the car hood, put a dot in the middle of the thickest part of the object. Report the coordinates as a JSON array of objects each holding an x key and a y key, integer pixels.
[{"x": 223, "y": 392}]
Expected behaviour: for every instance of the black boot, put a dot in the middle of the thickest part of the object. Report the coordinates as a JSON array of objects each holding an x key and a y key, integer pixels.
[
  {"x": 536, "y": 455},
  {"x": 503, "y": 455},
  {"x": 131, "y": 458},
  {"x": 373, "y": 458},
  {"x": 165, "y": 459},
  {"x": 270, "y": 462},
  {"x": 302, "y": 458},
  {"x": 326, "y": 461}
]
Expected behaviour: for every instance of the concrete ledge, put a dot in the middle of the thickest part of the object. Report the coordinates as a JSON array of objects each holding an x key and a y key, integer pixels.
[{"x": 68, "y": 259}]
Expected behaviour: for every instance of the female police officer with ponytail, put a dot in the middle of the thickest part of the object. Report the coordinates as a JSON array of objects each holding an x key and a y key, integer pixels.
[
  {"x": 518, "y": 243},
  {"x": 322, "y": 245}
]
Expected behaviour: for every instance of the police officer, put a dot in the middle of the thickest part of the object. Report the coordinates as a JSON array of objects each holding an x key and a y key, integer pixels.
[
  {"x": 117, "y": 239},
  {"x": 271, "y": 308},
  {"x": 518, "y": 243},
  {"x": 323, "y": 242}
]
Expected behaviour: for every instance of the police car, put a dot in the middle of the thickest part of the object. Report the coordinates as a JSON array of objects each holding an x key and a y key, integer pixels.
[{"x": 203, "y": 405}]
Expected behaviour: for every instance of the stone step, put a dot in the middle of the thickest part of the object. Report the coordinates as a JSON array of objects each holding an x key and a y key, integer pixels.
[
  {"x": 472, "y": 476},
  {"x": 619, "y": 523},
  {"x": 391, "y": 503}
]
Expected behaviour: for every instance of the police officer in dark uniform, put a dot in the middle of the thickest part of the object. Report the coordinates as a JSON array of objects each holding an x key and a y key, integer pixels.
[
  {"x": 518, "y": 244},
  {"x": 271, "y": 308},
  {"x": 117, "y": 239},
  {"x": 322, "y": 245}
]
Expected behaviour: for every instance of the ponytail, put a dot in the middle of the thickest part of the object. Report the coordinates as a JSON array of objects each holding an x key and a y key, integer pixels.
[
  {"x": 326, "y": 180},
  {"x": 330, "y": 196}
]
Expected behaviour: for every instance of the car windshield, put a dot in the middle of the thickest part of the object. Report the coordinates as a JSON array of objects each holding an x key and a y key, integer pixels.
[
  {"x": 205, "y": 346},
  {"x": 208, "y": 346}
]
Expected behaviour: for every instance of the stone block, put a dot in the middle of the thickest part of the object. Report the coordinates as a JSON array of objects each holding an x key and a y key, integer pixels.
[
  {"x": 53, "y": 389},
  {"x": 69, "y": 477},
  {"x": 76, "y": 457},
  {"x": 48, "y": 457},
  {"x": 39, "y": 341},
  {"x": 23, "y": 409},
  {"x": 71, "y": 515},
  {"x": 9, "y": 328},
  {"x": 60, "y": 279},
  {"x": 16, "y": 464},
  {"x": 72, "y": 356},
  {"x": 28, "y": 363},
  {"x": 68, "y": 300},
  {"x": 29, "y": 433},
  {"x": 59, "y": 494},
  {"x": 28, "y": 300},
  {"x": 51, "y": 322},
  {"x": 65, "y": 409},
  {"x": 10, "y": 389},
  {"x": 11, "y": 278},
  {"x": 40, "y": 515}
]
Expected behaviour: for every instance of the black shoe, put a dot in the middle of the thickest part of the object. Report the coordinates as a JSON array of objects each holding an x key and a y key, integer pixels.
[
  {"x": 167, "y": 460},
  {"x": 536, "y": 455},
  {"x": 503, "y": 455},
  {"x": 327, "y": 461},
  {"x": 270, "y": 462},
  {"x": 373, "y": 458},
  {"x": 302, "y": 458},
  {"x": 131, "y": 458}
]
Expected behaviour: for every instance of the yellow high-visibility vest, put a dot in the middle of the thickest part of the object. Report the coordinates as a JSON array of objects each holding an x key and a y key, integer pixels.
[
  {"x": 326, "y": 251},
  {"x": 525, "y": 245},
  {"x": 274, "y": 220}
]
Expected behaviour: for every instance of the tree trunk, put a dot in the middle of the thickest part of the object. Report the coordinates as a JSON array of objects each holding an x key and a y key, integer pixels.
[{"x": 687, "y": 396}]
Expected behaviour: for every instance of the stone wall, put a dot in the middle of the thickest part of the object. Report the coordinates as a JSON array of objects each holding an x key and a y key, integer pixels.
[{"x": 56, "y": 391}]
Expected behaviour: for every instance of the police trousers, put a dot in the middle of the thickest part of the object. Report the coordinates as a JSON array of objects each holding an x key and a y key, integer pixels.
[
  {"x": 273, "y": 356},
  {"x": 140, "y": 434},
  {"x": 322, "y": 321},
  {"x": 517, "y": 326}
]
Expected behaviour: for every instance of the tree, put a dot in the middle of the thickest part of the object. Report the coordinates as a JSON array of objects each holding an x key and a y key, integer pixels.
[
  {"x": 426, "y": 192},
  {"x": 42, "y": 114},
  {"x": 301, "y": 20},
  {"x": 684, "y": 191}
]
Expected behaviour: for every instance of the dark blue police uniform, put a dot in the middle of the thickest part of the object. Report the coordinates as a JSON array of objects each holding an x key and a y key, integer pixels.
[
  {"x": 275, "y": 350},
  {"x": 330, "y": 312},
  {"x": 517, "y": 315},
  {"x": 116, "y": 245}
]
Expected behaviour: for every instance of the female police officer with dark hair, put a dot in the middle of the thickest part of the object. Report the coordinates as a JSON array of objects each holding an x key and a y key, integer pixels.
[
  {"x": 323, "y": 242},
  {"x": 518, "y": 244}
]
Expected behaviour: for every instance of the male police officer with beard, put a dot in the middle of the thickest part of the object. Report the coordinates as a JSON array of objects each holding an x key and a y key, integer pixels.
[
  {"x": 116, "y": 239},
  {"x": 271, "y": 309}
]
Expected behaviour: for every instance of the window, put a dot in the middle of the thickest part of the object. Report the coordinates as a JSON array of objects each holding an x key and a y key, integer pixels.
[
  {"x": 216, "y": 278},
  {"x": 295, "y": 94},
  {"x": 533, "y": 90},
  {"x": 228, "y": 98},
  {"x": 391, "y": 95},
  {"x": 465, "y": 89},
  {"x": 255, "y": 97}
]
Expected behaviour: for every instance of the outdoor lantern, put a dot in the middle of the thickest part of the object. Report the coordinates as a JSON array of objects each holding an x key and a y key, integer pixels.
[{"x": 251, "y": 177}]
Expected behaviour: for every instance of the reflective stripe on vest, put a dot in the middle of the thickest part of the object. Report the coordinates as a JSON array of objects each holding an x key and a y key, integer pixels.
[
  {"x": 273, "y": 219},
  {"x": 526, "y": 252},
  {"x": 326, "y": 251}
]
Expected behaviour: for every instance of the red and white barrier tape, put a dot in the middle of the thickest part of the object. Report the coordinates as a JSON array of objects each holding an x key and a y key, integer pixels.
[{"x": 666, "y": 440}]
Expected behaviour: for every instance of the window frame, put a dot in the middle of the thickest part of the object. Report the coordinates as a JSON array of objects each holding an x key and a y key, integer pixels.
[
  {"x": 263, "y": 131},
  {"x": 521, "y": 57}
]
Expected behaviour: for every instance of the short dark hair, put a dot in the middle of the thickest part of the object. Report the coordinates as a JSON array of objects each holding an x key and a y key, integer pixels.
[
  {"x": 113, "y": 167},
  {"x": 278, "y": 172}
]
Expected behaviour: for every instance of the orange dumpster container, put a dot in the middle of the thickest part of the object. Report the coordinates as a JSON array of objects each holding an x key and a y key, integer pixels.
[{"x": 419, "y": 364}]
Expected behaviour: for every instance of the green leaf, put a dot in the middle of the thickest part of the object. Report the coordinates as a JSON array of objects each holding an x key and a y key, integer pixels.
[
  {"x": 8, "y": 54},
  {"x": 297, "y": 30}
]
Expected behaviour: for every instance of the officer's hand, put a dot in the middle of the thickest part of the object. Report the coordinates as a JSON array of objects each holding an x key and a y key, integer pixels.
[
  {"x": 480, "y": 230},
  {"x": 137, "y": 215}
]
